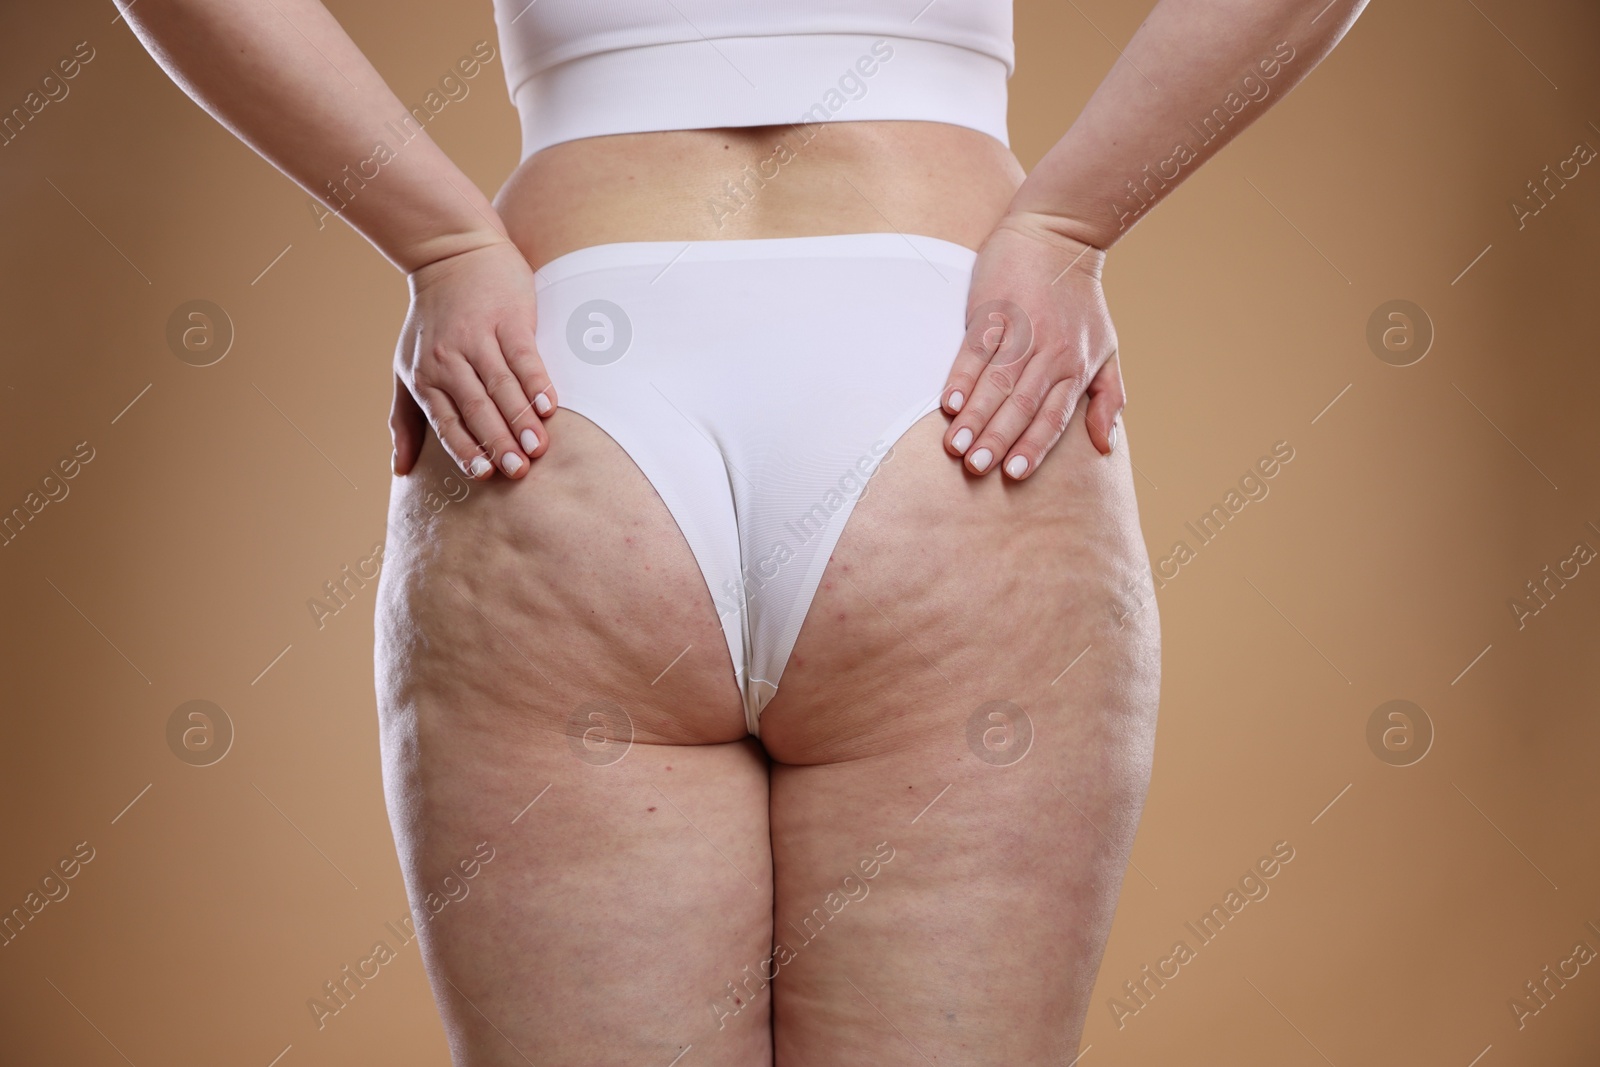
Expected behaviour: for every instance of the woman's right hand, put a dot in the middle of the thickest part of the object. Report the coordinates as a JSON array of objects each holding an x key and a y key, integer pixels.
[
  {"x": 466, "y": 365},
  {"x": 1039, "y": 340}
]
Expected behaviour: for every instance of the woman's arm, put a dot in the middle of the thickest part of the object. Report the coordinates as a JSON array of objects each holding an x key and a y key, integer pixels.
[
  {"x": 1195, "y": 74},
  {"x": 286, "y": 79},
  {"x": 1039, "y": 336},
  {"x": 289, "y": 82}
]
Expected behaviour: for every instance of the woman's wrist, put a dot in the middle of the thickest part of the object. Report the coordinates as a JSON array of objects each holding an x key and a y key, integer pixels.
[
  {"x": 1076, "y": 249},
  {"x": 435, "y": 249}
]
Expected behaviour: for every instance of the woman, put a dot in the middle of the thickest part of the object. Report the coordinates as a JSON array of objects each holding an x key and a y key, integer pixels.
[{"x": 741, "y": 399}]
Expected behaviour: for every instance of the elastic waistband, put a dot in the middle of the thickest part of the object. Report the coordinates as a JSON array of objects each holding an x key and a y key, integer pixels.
[
  {"x": 799, "y": 79},
  {"x": 873, "y": 245}
]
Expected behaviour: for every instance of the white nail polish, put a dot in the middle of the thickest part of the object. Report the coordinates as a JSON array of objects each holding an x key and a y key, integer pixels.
[
  {"x": 478, "y": 467},
  {"x": 541, "y": 404},
  {"x": 1111, "y": 438},
  {"x": 956, "y": 400},
  {"x": 530, "y": 441},
  {"x": 1018, "y": 466},
  {"x": 980, "y": 460},
  {"x": 962, "y": 440},
  {"x": 512, "y": 463}
]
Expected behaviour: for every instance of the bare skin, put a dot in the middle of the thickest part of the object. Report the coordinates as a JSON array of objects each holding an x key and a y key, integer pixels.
[
  {"x": 620, "y": 906},
  {"x": 572, "y": 583},
  {"x": 842, "y": 177},
  {"x": 938, "y": 815}
]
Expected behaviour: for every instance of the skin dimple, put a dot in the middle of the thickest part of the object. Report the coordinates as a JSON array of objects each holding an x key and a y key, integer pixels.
[
  {"x": 1019, "y": 859},
  {"x": 907, "y": 607},
  {"x": 520, "y": 601},
  {"x": 505, "y": 619}
]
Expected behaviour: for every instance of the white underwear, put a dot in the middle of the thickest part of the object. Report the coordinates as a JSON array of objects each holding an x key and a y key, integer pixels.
[{"x": 757, "y": 384}]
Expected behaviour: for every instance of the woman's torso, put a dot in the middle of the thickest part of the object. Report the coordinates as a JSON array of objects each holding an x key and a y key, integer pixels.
[
  {"x": 931, "y": 178},
  {"x": 920, "y": 150}
]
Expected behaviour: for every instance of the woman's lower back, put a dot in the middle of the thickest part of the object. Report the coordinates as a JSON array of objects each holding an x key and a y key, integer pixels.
[{"x": 930, "y": 178}]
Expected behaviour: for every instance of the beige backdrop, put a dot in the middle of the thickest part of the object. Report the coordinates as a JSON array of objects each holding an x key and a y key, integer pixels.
[{"x": 208, "y": 506}]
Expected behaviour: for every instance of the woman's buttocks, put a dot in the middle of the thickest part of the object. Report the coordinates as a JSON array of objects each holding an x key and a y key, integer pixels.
[{"x": 929, "y": 178}]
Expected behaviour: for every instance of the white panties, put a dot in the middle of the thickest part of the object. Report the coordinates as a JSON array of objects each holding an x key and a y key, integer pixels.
[{"x": 757, "y": 384}]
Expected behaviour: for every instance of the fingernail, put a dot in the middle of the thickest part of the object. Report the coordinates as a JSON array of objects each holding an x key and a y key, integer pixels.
[
  {"x": 530, "y": 441},
  {"x": 394, "y": 462},
  {"x": 956, "y": 400},
  {"x": 1018, "y": 466},
  {"x": 478, "y": 467},
  {"x": 980, "y": 460},
  {"x": 512, "y": 463},
  {"x": 541, "y": 404},
  {"x": 1112, "y": 437},
  {"x": 962, "y": 440}
]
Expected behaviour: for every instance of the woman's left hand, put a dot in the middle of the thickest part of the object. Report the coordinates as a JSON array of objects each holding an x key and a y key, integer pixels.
[{"x": 1039, "y": 338}]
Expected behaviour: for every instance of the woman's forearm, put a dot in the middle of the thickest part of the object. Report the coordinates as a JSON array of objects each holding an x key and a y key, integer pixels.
[
  {"x": 289, "y": 82},
  {"x": 1195, "y": 74}
]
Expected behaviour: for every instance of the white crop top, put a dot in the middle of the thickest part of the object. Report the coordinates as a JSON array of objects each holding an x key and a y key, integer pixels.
[{"x": 584, "y": 68}]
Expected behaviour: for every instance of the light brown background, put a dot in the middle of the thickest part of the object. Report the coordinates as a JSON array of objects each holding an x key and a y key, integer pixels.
[{"x": 1379, "y": 567}]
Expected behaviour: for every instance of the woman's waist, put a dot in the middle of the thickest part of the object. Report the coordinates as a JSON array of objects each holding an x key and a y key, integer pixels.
[{"x": 931, "y": 178}]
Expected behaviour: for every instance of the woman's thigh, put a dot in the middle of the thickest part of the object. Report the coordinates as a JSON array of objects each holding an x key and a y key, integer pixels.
[
  {"x": 555, "y": 694},
  {"x": 962, "y": 745}
]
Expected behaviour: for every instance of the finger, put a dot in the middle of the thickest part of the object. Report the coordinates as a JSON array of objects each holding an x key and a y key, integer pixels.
[
  {"x": 998, "y": 332},
  {"x": 480, "y": 413},
  {"x": 467, "y": 421},
  {"x": 451, "y": 430},
  {"x": 1107, "y": 398},
  {"x": 522, "y": 356},
  {"x": 1042, "y": 433},
  {"x": 1018, "y": 412},
  {"x": 511, "y": 406},
  {"x": 407, "y": 428}
]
